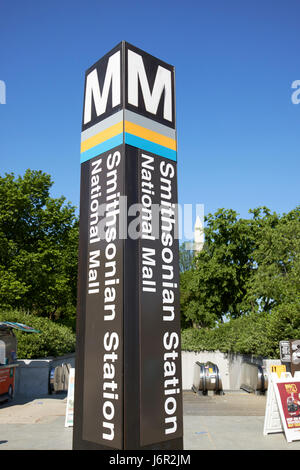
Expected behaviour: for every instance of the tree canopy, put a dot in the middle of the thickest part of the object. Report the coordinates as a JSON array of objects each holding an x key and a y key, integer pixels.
[
  {"x": 38, "y": 247},
  {"x": 247, "y": 266}
]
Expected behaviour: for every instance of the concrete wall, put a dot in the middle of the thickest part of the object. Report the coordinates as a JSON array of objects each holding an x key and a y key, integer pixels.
[{"x": 229, "y": 365}]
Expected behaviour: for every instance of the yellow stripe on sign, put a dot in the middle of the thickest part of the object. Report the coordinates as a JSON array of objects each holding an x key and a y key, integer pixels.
[
  {"x": 102, "y": 136},
  {"x": 147, "y": 134}
]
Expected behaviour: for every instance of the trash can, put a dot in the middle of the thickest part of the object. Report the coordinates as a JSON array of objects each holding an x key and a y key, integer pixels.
[{"x": 207, "y": 379}]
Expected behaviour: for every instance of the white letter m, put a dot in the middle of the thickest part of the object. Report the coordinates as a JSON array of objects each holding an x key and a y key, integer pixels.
[
  {"x": 92, "y": 89},
  {"x": 136, "y": 72}
]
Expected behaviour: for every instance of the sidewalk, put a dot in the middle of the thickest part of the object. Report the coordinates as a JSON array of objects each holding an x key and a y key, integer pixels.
[{"x": 233, "y": 421}]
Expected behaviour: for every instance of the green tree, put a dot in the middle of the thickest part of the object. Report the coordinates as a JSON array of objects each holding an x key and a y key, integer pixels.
[
  {"x": 249, "y": 271},
  {"x": 186, "y": 258},
  {"x": 38, "y": 247},
  {"x": 275, "y": 286},
  {"x": 218, "y": 284},
  {"x": 276, "y": 277}
]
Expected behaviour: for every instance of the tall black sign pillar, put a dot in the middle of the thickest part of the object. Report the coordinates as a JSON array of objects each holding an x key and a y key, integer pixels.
[{"x": 128, "y": 357}]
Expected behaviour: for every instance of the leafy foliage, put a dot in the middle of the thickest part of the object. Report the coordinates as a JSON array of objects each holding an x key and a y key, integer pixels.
[
  {"x": 186, "y": 258},
  {"x": 218, "y": 283},
  {"x": 276, "y": 279},
  {"x": 53, "y": 340},
  {"x": 38, "y": 248},
  {"x": 243, "y": 292},
  {"x": 257, "y": 334}
]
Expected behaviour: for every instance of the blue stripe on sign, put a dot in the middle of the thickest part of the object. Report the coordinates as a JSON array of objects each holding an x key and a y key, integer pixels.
[
  {"x": 152, "y": 147},
  {"x": 101, "y": 148}
]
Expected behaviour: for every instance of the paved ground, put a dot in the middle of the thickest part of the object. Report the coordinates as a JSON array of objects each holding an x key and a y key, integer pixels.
[{"x": 233, "y": 421}]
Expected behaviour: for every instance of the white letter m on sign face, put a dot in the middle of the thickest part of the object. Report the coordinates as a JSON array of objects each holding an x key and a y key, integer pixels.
[
  {"x": 136, "y": 72},
  {"x": 92, "y": 88}
]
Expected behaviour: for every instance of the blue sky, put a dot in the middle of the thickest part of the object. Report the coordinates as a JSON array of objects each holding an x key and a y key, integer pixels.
[{"x": 238, "y": 130}]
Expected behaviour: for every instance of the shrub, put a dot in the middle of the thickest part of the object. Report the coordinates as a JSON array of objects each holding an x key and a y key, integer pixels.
[
  {"x": 257, "y": 334},
  {"x": 53, "y": 339}
]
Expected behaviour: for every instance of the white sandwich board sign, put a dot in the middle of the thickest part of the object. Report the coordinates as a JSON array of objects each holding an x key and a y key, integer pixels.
[
  {"x": 283, "y": 405},
  {"x": 70, "y": 399}
]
